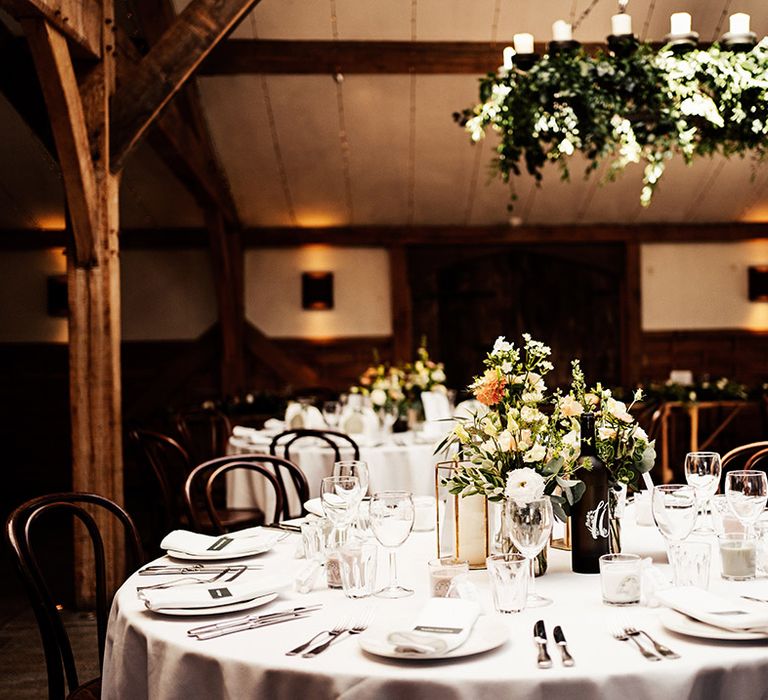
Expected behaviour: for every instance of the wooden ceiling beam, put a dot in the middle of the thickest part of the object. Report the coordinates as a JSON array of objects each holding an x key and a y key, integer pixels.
[
  {"x": 246, "y": 56},
  {"x": 152, "y": 83},
  {"x": 80, "y": 21}
]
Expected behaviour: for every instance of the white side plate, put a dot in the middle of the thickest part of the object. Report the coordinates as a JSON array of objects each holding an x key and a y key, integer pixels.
[
  {"x": 219, "y": 609},
  {"x": 682, "y": 624}
]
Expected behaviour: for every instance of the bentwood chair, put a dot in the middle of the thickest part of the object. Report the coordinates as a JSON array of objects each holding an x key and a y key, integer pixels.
[
  {"x": 740, "y": 457},
  {"x": 204, "y": 433},
  {"x": 170, "y": 465},
  {"x": 759, "y": 460},
  {"x": 195, "y": 485},
  {"x": 63, "y": 679}
]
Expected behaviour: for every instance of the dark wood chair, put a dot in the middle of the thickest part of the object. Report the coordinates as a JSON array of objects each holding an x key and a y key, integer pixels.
[
  {"x": 194, "y": 489},
  {"x": 170, "y": 464},
  {"x": 63, "y": 679},
  {"x": 332, "y": 438},
  {"x": 204, "y": 433},
  {"x": 739, "y": 457},
  {"x": 219, "y": 525},
  {"x": 759, "y": 460}
]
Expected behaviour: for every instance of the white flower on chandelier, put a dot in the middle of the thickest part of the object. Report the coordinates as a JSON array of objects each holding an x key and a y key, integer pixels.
[{"x": 524, "y": 485}]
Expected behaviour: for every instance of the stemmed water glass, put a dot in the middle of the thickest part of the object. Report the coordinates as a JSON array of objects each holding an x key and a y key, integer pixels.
[
  {"x": 702, "y": 471},
  {"x": 747, "y": 493},
  {"x": 332, "y": 413},
  {"x": 674, "y": 512},
  {"x": 529, "y": 525},
  {"x": 392, "y": 515},
  {"x": 353, "y": 467},
  {"x": 340, "y": 497}
]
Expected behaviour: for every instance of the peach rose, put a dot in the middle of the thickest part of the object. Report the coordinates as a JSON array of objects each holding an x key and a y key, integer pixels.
[{"x": 490, "y": 389}]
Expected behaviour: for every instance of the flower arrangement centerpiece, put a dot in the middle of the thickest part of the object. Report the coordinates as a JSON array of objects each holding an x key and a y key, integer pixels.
[
  {"x": 399, "y": 387},
  {"x": 622, "y": 444},
  {"x": 520, "y": 445}
]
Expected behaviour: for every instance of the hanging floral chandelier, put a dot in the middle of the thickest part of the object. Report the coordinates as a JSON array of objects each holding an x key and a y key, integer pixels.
[{"x": 628, "y": 103}]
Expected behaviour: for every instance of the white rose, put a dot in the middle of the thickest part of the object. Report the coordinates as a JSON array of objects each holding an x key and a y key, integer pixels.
[
  {"x": 605, "y": 432},
  {"x": 438, "y": 376},
  {"x": 524, "y": 485},
  {"x": 529, "y": 414},
  {"x": 640, "y": 433},
  {"x": 570, "y": 407},
  {"x": 505, "y": 440},
  {"x": 618, "y": 409},
  {"x": 378, "y": 397},
  {"x": 535, "y": 454}
]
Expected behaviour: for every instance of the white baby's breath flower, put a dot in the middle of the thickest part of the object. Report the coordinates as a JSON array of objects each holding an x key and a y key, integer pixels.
[
  {"x": 500, "y": 346},
  {"x": 524, "y": 485}
]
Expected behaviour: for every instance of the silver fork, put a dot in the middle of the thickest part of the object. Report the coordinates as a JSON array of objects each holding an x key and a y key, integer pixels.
[
  {"x": 666, "y": 652},
  {"x": 622, "y": 637},
  {"x": 334, "y": 632},
  {"x": 182, "y": 581},
  {"x": 355, "y": 628}
]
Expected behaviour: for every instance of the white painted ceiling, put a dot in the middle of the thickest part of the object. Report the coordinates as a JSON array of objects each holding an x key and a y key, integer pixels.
[{"x": 383, "y": 149}]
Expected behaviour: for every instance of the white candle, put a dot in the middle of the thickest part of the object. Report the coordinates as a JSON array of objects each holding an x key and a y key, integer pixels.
[
  {"x": 739, "y": 23},
  {"x": 679, "y": 23},
  {"x": 508, "y": 54},
  {"x": 561, "y": 31},
  {"x": 472, "y": 530},
  {"x": 621, "y": 24},
  {"x": 523, "y": 42}
]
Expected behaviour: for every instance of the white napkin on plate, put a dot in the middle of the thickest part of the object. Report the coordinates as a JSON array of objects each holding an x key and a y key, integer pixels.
[
  {"x": 728, "y": 613},
  {"x": 235, "y": 543},
  {"x": 210, "y": 595},
  {"x": 436, "y": 405},
  {"x": 274, "y": 425},
  {"x": 255, "y": 437},
  {"x": 443, "y": 624}
]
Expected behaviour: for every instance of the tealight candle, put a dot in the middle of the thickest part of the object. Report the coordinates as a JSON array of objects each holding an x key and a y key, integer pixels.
[
  {"x": 679, "y": 23},
  {"x": 621, "y": 24},
  {"x": 561, "y": 31},
  {"x": 523, "y": 42},
  {"x": 737, "y": 557},
  {"x": 739, "y": 23},
  {"x": 620, "y": 578}
]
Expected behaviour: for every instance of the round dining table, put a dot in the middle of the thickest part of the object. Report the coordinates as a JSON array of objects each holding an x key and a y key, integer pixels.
[
  {"x": 396, "y": 462},
  {"x": 150, "y": 656}
]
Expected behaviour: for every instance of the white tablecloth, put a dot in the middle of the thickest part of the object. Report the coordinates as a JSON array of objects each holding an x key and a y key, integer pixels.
[
  {"x": 399, "y": 463},
  {"x": 151, "y": 657}
]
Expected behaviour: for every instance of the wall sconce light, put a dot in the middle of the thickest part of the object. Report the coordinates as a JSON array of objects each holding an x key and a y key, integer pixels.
[
  {"x": 317, "y": 291},
  {"x": 57, "y": 304},
  {"x": 758, "y": 282}
]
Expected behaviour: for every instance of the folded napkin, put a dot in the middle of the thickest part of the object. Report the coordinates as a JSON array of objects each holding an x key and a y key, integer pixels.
[
  {"x": 255, "y": 437},
  {"x": 298, "y": 416},
  {"x": 436, "y": 405},
  {"x": 236, "y": 543},
  {"x": 728, "y": 613},
  {"x": 209, "y": 595},
  {"x": 274, "y": 425},
  {"x": 444, "y": 624},
  {"x": 360, "y": 421}
]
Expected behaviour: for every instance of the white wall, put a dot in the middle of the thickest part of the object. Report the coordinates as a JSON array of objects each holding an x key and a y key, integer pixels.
[
  {"x": 361, "y": 292},
  {"x": 698, "y": 286}
]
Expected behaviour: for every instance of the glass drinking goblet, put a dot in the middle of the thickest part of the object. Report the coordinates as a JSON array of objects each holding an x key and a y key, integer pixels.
[
  {"x": 530, "y": 525},
  {"x": 340, "y": 497},
  {"x": 392, "y": 515},
  {"x": 332, "y": 413},
  {"x": 353, "y": 467},
  {"x": 747, "y": 493},
  {"x": 702, "y": 471},
  {"x": 674, "y": 512}
]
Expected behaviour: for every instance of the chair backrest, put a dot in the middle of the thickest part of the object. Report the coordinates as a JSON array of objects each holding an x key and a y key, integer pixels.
[
  {"x": 59, "y": 657},
  {"x": 759, "y": 460},
  {"x": 170, "y": 465},
  {"x": 204, "y": 433},
  {"x": 270, "y": 477},
  {"x": 739, "y": 457},
  {"x": 195, "y": 485}
]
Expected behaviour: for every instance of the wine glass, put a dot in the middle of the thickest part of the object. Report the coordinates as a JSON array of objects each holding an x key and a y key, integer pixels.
[
  {"x": 530, "y": 525},
  {"x": 392, "y": 515},
  {"x": 340, "y": 497},
  {"x": 387, "y": 416},
  {"x": 747, "y": 493},
  {"x": 702, "y": 471},
  {"x": 332, "y": 414},
  {"x": 674, "y": 512},
  {"x": 353, "y": 467}
]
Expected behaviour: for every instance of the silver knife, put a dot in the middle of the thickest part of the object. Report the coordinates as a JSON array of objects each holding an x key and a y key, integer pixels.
[
  {"x": 540, "y": 637},
  {"x": 560, "y": 640},
  {"x": 218, "y": 626}
]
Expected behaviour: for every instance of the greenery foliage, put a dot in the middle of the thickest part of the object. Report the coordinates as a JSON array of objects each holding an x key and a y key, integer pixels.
[{"x": 639, "y": 106}]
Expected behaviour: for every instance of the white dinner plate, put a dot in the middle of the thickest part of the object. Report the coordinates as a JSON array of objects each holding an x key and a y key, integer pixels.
[
  {"x": 682, "y": 624},
  {"x": 219, "y": 609},
  {"x": 217, "y": 556},
  {"x": 315, "y": 506},
  {"x": 488, "y": 633}
]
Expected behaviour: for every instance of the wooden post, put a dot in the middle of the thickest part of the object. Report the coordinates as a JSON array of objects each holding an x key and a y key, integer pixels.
[
  {"x": 79, "y": 118},
  {"x": 402, "y": 305},
  {"x": 631, "y": 318}
]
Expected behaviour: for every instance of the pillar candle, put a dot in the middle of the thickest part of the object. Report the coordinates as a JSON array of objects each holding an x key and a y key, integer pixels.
[{"x": 621, "y": 24}]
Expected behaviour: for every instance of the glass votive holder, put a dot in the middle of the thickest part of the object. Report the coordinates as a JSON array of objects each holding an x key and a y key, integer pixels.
[
  {"x": 509, "y": 581},
  {"x": 620, "y": 576},
  {"x": 357, "y": 562},
  {"x": 723, "y": 520},
  {"x": 737, "y": 556},
  {"x": 690, "y": 563},
  {"x": 442, "y": 573},
  {"x": 314, "y": 533},
  {"x": 425, "y": 513},
  {"x": 761, "y": 544}
]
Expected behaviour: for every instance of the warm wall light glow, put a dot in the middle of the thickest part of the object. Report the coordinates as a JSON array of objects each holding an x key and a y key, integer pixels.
[
  {"x": 757, "y": 214},
  {"x": 319, "y": 219},
  {"x": 55, "y": 260},
  {"x": 51, "y": 222}
]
